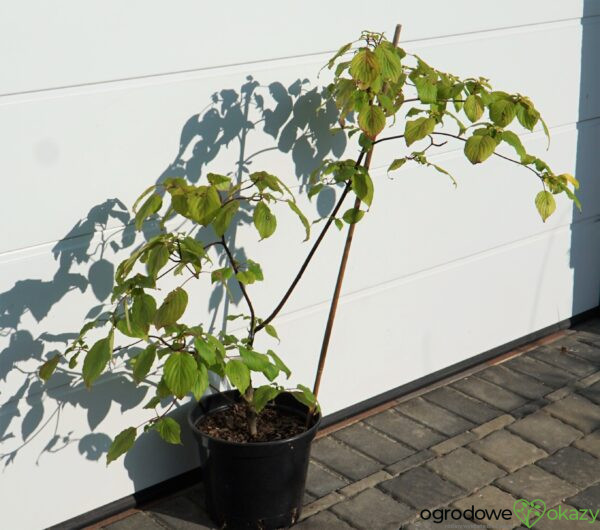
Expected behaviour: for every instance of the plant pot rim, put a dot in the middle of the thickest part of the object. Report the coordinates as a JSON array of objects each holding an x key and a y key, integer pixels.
[{"x": 192, "y": 414}]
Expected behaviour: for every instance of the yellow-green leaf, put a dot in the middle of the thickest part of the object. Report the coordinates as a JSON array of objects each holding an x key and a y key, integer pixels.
[
  {"x": 121, "y": 444},
  {"x": 473, "y": 107},
  {"x": 96, "y": 359},
  {"x": 418, "y": 129},
  {"x": 239, "y": 375},
  {"x": 171, "y": 309},
  {"x": 150, "y": 206},
  {"x": 294, "y": 207},
  {"x": 180, "y": 373},
  {"x": 264, "y": 220},
  {"x": 47, "y": 369},
  {"x": 479, "y": 148},
  {"x": 144, "y": 362},
  {"x": 169, "y": 430},
  {"x": 371, "y": 120},
  {"x": 364, "y": 66},
  {"x": 502, "y": 112},
  {"x": 362, "y": 185},
  {"x": 224, "y": 217},
  {"x": 545, "y": 204}
]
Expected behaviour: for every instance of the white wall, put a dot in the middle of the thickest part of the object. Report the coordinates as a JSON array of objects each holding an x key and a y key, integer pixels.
[{"x": 93, "y": 99}]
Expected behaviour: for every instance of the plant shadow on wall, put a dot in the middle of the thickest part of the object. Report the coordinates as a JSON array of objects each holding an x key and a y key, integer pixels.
[{"x": 294, "y": 120}]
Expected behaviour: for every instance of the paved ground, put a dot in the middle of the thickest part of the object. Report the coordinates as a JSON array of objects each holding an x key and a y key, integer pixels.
[{"x": 528, "y": 428}]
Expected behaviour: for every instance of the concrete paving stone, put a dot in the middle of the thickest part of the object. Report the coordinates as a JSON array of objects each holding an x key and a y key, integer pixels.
[
  {"x": 529, "y": 408},
  {"x": 321, "y": 504},
  {"x": 493, "y": 425},
  {"x": 575, "y": 466},
  {"x": 453, "y": 443},
  {"x": 564, "y": 360},
  {"x": 532, "y": 482},
  {"x": 581, "y": 345},
  {"x": 550, "y": 375},
  {"x": 320, "y": 482},
  {"x": 181, "y": 513},
  {"x": 516, "y": 382},
  {"x": 366, "y": 483},
  {"x": 489, "y": 393},
  {"x": 465, "y": 406},
  {"x": 588, "y": 327},
  {"x": 563, "y": 517},
  {"x": 342, "y": 459},
  {"x": 373, "y": 444},
  {"x": 136, "y": 521},
  {"x": 590, "y": 443},
  {"x": 589, "y": 380},
  {"x": 308, "y": 498},
  {"x": 560, "y": 393},
  {"x": 577, "y": 411},
  {"x": 592, "y": 392},
  {"x": 433, "y": 416},
  {"x": 373, "y": 509},
  {"x": 490, "y": 498},
  {"x": 321, "y": 521},
  {"x": 465, "y": 469},
  {"x": 545, "y": 431},
  {"x": 588, "y": 499},
  {"x": 422, "y": 488},
  {"x": 507, "y": 450},
  {"x": 410, "y": 461},
  {"x": 405, "y": 429}
]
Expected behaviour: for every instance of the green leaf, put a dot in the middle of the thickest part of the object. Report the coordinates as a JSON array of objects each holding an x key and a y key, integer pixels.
[
  {"x": 262, "y": 396},
  {"x": 418, "y": 129},
  {"x": 169, "y": 430},
  {"x": 122, "y": 443},
  {"x": 153, "y": 403},
  {"x": 294, "y": 207},
  {"x": 256, "y": 362},
  {"x": 180, "y": 373},
  {"x": 527, "y": 115},
  {"x": 271, "y": 331},
  {"x": 144, "y": 362},
  {"x": 47, "y": 369},
  {"x": 362, "y": 186},
  {"x": 142, "y": 196},
  {"x": 279, "y": 363},
  {"x": 150, "y": 206},
  {"x": 255, "y": 269},
  {"x": 221, "y": 182},
  {"x": 204, "y": 204},
  {"x": 371, "y": 120},
  {"x": 426, "y": 91},
  {"x": 171, "y": 309},
  {"x": 397, "y": 164},
  {"x": 514, "y": 141},
  {"x": 388, "y": 60},
  {"x": 221, "y": 275},
  {"x": 314, "y": 190},
  {"x": 479, "y": 148},
  {"x": 245, "y": 277},
  {"x": 239, "y": 375},
  {"x": 339, "y": 53},
  {"x": 338, "y": 223},
  {"x": 545, "y": 204},
  {"x": 264, "y": 220},
  {"x": 502, "y": 112},
  {"x": 201, "y": 383},
  {"x": 306, "y": 397},
  {"x": 96, "y": 359},
  {"x": 158, "y": 257},
  {"x": 206, "y": 353},
  {"x": 473, "y": 107},
  {"x": 224, "y": 217},
  {"x": 353, "y": 215},
  {"x": 364, "y": 66}
]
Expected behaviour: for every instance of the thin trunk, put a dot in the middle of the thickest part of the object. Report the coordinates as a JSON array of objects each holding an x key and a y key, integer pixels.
[{"x": 342, "y": 270}]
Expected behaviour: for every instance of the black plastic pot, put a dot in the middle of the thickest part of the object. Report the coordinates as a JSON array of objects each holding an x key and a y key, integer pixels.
[{"x": 253, "y": 485}]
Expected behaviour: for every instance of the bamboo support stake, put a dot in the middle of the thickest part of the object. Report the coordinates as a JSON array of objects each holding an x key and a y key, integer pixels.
[{"x": 342, "y": 270}]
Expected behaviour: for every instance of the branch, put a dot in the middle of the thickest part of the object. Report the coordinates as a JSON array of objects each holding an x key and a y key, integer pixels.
[
  {"x": 242, "y": 288},
  {"x": 497, "y": 154}
]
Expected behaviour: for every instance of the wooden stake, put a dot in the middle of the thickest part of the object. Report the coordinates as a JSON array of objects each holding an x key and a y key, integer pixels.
[{"x": 342, "y": 270}]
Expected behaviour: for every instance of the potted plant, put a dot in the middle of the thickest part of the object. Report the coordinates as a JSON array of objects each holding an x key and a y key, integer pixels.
[{"x": 255, "y": 439}]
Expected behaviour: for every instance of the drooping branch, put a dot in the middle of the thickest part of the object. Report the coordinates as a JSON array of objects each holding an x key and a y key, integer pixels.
[{"x": 242, "y": 288}]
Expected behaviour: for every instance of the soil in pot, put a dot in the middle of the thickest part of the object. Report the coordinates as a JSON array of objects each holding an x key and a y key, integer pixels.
[{"x": 230, "y": 424}]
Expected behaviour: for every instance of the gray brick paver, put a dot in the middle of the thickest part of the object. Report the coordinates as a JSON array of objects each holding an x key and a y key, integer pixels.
[
  {"x": 466, "y": 469},
  {"x": 321, "y": 521},
  {"x": 373, "y": 444},
  {"x": 516, "y": 382},
  {"x": 577, "y": 411},
  {"x": 507, "y": 450},
  {"x": 532, "y": 482},
  {"x": 592, "y": 392},
  {"x": 374, "y": 509},
  {"x": 577, "y": 346},
  {"x": 575, "y": 466},
  {"x": 422, "y": 488},
  {"x": 545, "y": 431},
  {"x": 548, "y": 374},
  {"x": 181, "y": 513},
  {"x": 136, "y": 521},
  {"x": 405, "y": 429},
  {"x": 590, "y": 443},
  {"x": 342, "y": 459},
  {"x": 564, "y": 360},
  {"x": 320, "y": 482},
  {"x": 434, "y": 416},
  {"x": 490, "y": 393},
  {"x": 411, "y": 461},
  {"x": 588, "y": 499},
  {"x": 490, "y": 498},
  {"x": 463, "y": 405}
]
